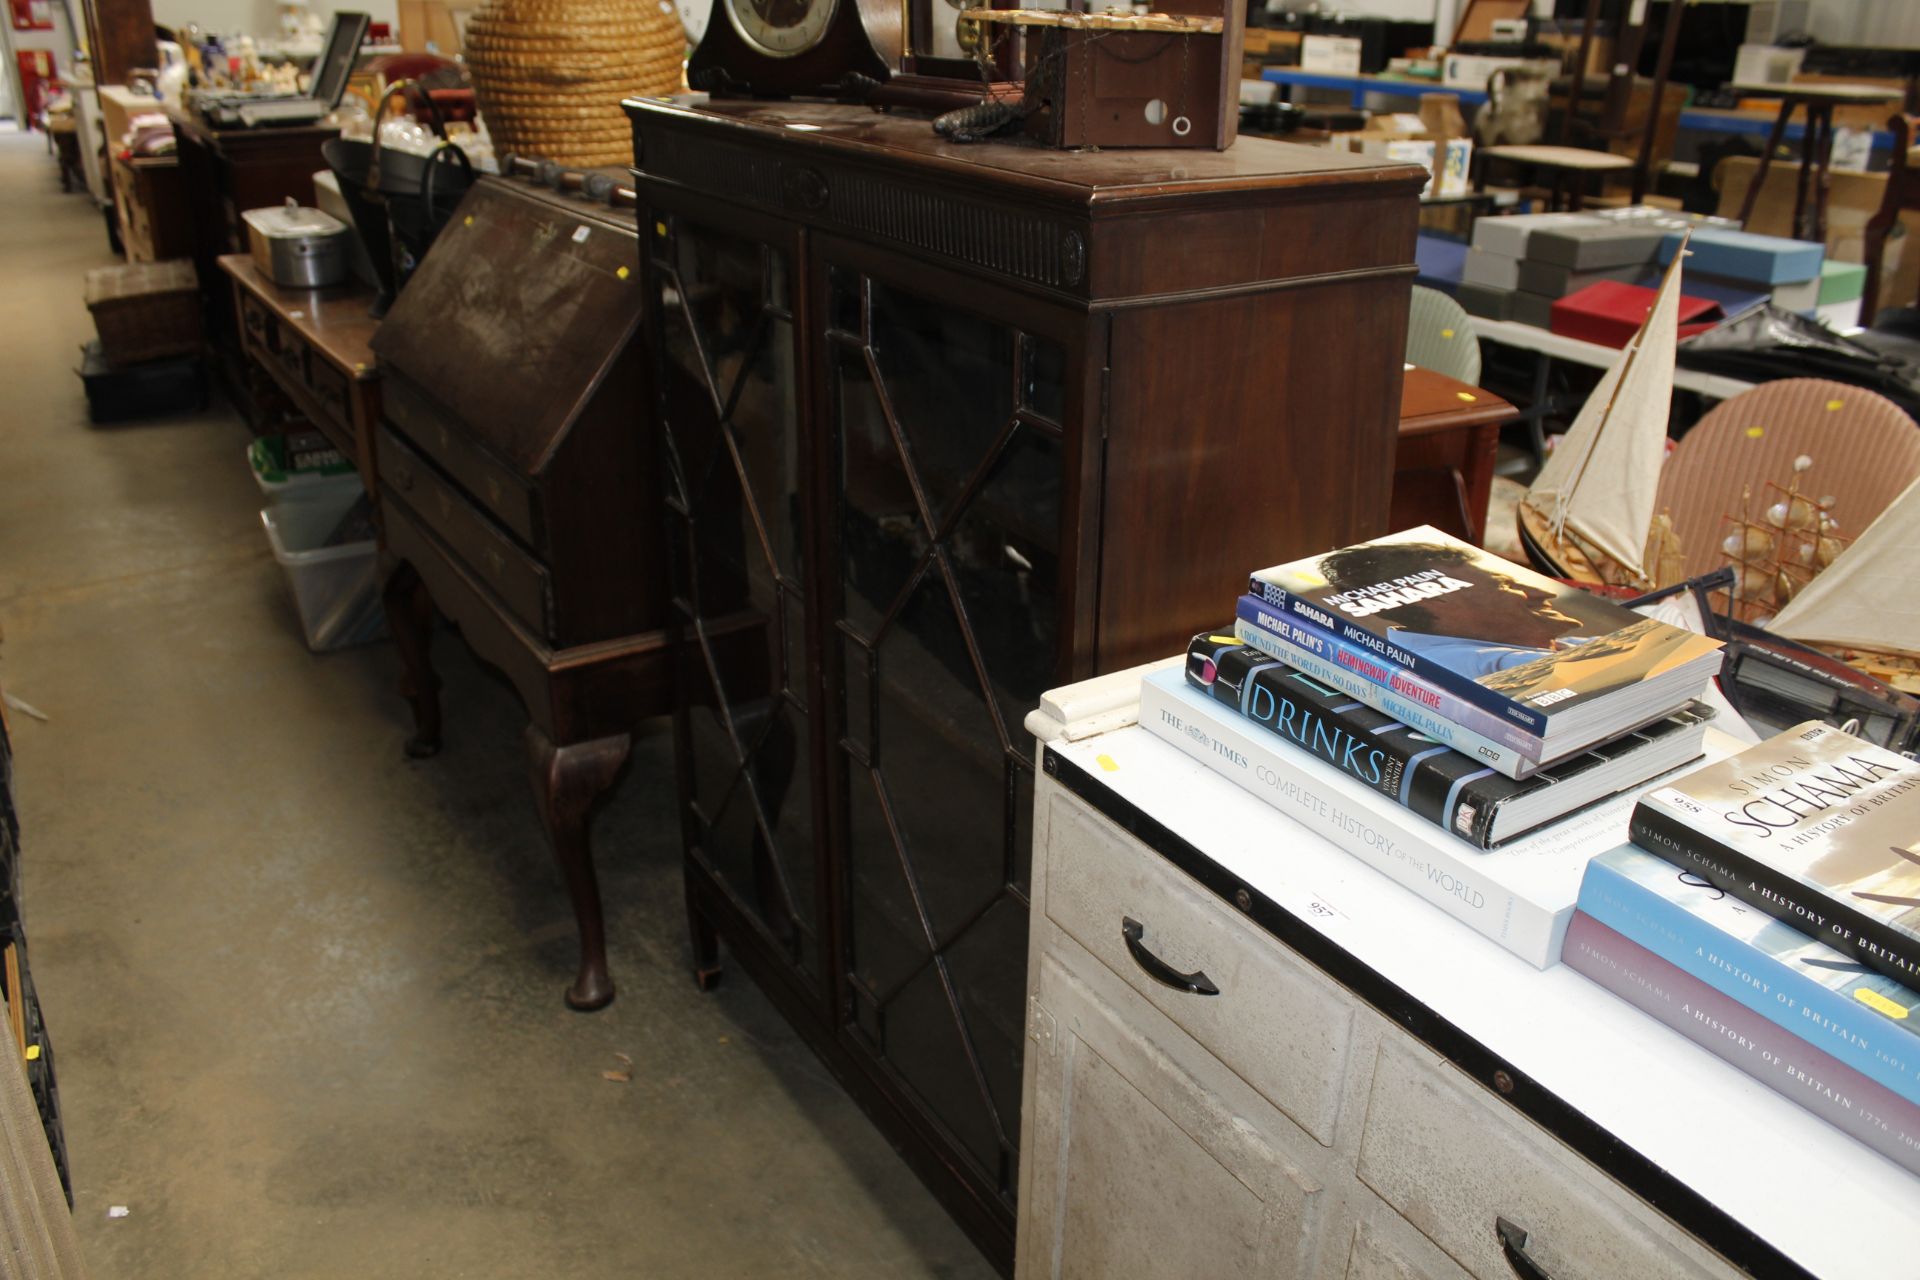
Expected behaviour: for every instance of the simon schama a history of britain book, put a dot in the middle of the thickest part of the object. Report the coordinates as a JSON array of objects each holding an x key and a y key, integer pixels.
[
  {"x": 1558, "y": 661},
  {"x": 1812, "y": 826}
]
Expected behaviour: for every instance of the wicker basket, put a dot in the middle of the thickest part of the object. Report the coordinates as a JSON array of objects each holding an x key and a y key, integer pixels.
[
  {"x": 145, "y": 310},
  {"x": 549, "y": 74}
]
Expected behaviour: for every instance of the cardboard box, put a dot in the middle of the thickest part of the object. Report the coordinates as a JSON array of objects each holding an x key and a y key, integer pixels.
[
  {"x": 1404, "y": 138},
  {"x": 1608, "y": 244},
  {"x": 1841, "y": 282},
  {"x": 1330, "y": 55},
  {"x": 1746, "y": 256},
  {"x": 1509, "y": 234},
  {"x": 1484, "y": 301},
  {"x": 1533, "y": 309},
  {"x": 1472, "y": 70},
  {"x": 1551, "y": 280},
  {"x": 434, "y": 26},
  {"x": 1494, "y": 270},
  {"x": 1611, "y": 312}
]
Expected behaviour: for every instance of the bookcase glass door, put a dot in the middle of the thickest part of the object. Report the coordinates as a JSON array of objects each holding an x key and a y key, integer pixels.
[
  {"x": 736, "y": 516},
  {"x": 947, "y": 462}
]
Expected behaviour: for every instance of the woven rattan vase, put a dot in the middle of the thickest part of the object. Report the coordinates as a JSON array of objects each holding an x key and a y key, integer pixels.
[{"x": 550, "y": 74}]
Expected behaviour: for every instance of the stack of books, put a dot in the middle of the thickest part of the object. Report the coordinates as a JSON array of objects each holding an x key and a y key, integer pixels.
[
  {"x": 1470, "y": 728},
  {"x": 1769, "y": 909}
]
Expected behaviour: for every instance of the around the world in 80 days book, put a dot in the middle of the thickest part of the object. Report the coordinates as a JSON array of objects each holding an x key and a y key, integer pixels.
[
  {"x": 1559, "y": 661},
  {"x": 1812, "y": 826}
]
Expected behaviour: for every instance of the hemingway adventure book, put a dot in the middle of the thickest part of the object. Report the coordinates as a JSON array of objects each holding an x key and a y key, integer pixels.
[
  {"x": 1454, "y": 791},
  {"x": 1550, "y": 657},
  {"x": 1813, "y": 826}
]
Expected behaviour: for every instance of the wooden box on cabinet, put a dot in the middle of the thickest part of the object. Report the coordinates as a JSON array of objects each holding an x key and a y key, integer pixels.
[{"x": 944, "y": 427}]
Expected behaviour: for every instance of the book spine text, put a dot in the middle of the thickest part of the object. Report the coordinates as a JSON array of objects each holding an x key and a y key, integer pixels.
[
  {"x": 1378, "y": 833},
  {"x": 1816, "y": 914},
  {"x": 1795, "y": 1070},
  {"x": 1846, "y": 1028},
  {"x": 1394, "y": 660}
]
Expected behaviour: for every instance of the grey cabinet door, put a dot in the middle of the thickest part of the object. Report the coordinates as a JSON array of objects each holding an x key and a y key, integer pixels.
[{"x": 1157, "y": 1164}]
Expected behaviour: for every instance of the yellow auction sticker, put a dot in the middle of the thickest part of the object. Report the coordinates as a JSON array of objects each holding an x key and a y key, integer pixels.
[
  {"x": 1107, "y": 762},
  {"x": 1879, "y": 1003}
]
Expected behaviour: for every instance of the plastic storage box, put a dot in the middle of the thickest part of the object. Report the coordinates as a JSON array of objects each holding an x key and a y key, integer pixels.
[
  {"x": 336, "y": 483},
  {"x": 335, "y": 589}
]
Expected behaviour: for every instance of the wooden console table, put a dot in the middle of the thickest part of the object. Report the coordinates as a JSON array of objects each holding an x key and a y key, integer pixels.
[
  {"x": 1375, "y": 1090},
  {"x": 315, "y": 344},
  {"x": 1443, "y": 463}
]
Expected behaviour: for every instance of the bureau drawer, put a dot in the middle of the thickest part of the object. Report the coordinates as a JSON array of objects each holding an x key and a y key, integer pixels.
[
  {"x": 258, "y": 322},
  {"x": 519, "y": 581},
  {"x": 1454, "y": 1161},
  {"x": 491, "y": 483},
  {"x": 1276, "y": 1024}
]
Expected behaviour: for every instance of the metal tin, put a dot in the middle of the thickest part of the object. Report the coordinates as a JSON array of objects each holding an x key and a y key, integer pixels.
[{"x": 297, "y": 248}]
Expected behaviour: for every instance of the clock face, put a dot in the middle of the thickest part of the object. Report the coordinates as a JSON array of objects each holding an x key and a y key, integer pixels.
[
  {"x": 780, "y": 28},
  {"x": 693, "y": 16}
]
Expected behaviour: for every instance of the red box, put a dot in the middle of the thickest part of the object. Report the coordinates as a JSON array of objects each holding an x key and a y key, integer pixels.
[{"x": 1611, "y": 311}]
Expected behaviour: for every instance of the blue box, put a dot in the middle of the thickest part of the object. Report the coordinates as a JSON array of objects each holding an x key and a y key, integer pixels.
[{"x": 1742, "y": 255}]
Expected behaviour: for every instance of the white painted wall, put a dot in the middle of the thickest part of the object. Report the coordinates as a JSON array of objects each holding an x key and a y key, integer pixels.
[
  {"x": 257, "y": 17},
  {"x": 1883, "y": 24}
]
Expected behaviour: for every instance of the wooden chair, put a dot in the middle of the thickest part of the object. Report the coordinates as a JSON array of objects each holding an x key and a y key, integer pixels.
[
  {"x": 1440, "y": 336},
  {"x": 1903, "y": 192},
  {"x": 1865, "y": 451}
]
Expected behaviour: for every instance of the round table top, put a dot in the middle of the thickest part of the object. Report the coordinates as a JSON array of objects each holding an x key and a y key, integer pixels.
[
  {"x": 1820, "y": 92},
  {"x": 1560, "y": 157}
]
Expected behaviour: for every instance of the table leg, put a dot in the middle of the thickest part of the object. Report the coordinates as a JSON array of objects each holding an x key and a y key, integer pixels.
[
  {"x": 706, "y": 945},
  {"x": 1822, "y": 178},
  {"x": 1804, "y": 183},
  {"x": 409, "y": 610},
  {"x": 567, "y": 782},
  {"x": 1766, "y": 160}
]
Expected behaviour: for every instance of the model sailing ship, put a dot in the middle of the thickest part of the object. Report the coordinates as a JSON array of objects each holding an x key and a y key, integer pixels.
[
  {"x": 1589, "y": 516},
  {"x": 1850, "y": 611}
]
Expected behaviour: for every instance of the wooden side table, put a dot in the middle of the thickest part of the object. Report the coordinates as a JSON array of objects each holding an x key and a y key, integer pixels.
[
  {"x": 1570, "y": 167},
  {"x": 315, "y": 346},
  {"x": 1443, "y": 464},
  {"x": 1816, "y": 145}
]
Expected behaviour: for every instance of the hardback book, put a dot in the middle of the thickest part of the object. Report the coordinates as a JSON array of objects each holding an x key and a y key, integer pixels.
[
  {"x": 1362, "y": 675},
  {"x": 1453, "y": 791},
  {"x": 1824, "y": 996},
  {"x": 1565, "y": 664},
  {"x": 1792, "y": 1068},
  {"x": 1812, "y": 826},
  {"x": 1519, "y": 895}
]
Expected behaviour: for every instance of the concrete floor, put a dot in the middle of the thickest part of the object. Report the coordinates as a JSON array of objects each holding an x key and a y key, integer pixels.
[{"x": 305, "y": 995}]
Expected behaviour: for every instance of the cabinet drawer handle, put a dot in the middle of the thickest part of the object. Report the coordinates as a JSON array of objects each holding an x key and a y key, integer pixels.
[
  {"x": 1513, "y": 1243},
  {"x": 1196, "y": 983}
]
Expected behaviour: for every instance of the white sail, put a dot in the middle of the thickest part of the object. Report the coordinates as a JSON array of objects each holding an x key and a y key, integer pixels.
[
  {"x": 1599, "y": 482},
  {"x": 1863, "y": 599}
]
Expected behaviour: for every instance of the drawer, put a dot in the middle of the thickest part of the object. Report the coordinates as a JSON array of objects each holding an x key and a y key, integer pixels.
[
  {"x": 1280, "y": 1026},
  {"x": 334, "y": 391},
  {"x": 1454, "y": 1160},
  {"x": 520, "y": 582},
  {"x": 292, "y": 353},
  {"x": 262, "y": 330},
  {"x": 510, "y": 498}
]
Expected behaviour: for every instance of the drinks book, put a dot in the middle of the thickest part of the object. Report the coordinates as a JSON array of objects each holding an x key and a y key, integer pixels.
[
  {"x": 1520, "y": 895},
  {"x": 1826, "y": 997},
  {"x": 1562, "y": 663},
  {"x": 1800, "y": 1072},
  {"x": 1812, "y": 826},
  {"x": 1451, "y": 790}
]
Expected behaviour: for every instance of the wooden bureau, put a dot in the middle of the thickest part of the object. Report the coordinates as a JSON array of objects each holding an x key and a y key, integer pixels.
[
  {"x": 1373, "y": 1091},
  {"x": 947, "y": 426},
  {"x": 519, "y": 496}
]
